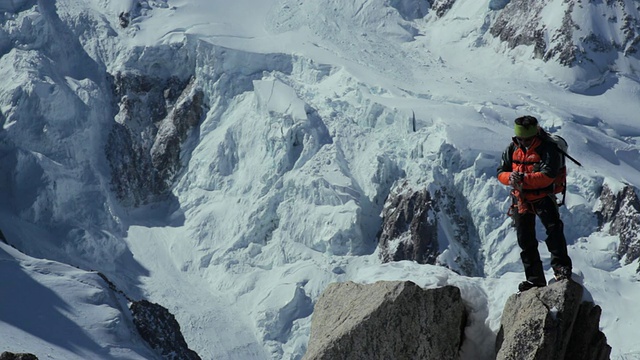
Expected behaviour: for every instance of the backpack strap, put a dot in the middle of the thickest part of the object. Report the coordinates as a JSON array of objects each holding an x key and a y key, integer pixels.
[{"x": 545, "y": 136}]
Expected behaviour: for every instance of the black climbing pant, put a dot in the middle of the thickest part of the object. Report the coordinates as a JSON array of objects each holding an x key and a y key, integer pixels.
[{"x": 547, "y": 210}]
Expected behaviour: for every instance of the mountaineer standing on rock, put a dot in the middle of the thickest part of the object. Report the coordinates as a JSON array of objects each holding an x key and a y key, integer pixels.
[{"x": 530, "y": 165}]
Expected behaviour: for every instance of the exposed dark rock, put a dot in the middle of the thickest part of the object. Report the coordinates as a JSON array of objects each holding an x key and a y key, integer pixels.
[
  {"x": 386, "y": 320},
  {"x": 542, "y": 323},
  {"x": 631, "y": 31},
  {"x": 561, "y": 45},
  {"x": 124, "y": 19},
  {"x": 172, "y": 132},
  {"x": 20, "y": 356},
  {"x": 143, "y": 148},
  {"x": 410, "y": 222},
  {"x": 520, "y": 22},
  {"x": 441, "y": 6},
  {"x": 620, "y": 214},
  {"x": 409, "y": 227},
  {"x": 591, "y": 344},
  {"x": 159, "y": 328},
  {"x": 113, "y": 286}
]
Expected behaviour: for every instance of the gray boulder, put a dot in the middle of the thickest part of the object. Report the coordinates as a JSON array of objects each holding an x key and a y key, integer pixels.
[
  {"x": 386, "y": 320},
  {"x": 543, "y": 324}
]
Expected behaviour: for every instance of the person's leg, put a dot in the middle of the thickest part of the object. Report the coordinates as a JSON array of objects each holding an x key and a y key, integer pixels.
[
  {"x": 526, "y": 232},
  {"x": 547, "y": 210}
]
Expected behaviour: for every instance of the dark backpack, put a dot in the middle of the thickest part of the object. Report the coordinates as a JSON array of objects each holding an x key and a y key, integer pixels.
[{"x": 560, "y": 182}]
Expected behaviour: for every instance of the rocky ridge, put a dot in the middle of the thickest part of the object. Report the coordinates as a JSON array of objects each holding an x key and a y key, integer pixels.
[
  {"x": 521, "y": 22},
  {"x": 400, "y": 320},
  {"x": 144, "y": 147}
]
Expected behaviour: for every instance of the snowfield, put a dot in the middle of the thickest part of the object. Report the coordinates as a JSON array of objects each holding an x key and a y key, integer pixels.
[{"x": 315, "y": 112}]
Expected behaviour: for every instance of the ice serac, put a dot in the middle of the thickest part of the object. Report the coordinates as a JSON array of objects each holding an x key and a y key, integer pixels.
[
  {"x": 386, "y": 320},
  {"x": 619, "y": 212},
  {"x": 544, "y": 323}
]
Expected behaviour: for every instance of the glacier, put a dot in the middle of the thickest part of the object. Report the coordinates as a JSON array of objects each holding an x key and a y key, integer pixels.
[{"x": 230, "y": 161}]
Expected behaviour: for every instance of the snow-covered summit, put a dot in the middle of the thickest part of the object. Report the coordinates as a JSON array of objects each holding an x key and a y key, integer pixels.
[{"x": 229, "y": 161}]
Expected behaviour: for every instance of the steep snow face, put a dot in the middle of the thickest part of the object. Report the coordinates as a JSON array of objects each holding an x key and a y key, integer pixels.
[
  {"x": 55, "y": 105},
  {"x": 76, "y": 315},
  {"x": 306, "y": 116}
]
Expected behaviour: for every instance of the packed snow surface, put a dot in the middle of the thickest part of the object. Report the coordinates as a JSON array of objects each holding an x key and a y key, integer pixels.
[{"x": 316, "y": 110}]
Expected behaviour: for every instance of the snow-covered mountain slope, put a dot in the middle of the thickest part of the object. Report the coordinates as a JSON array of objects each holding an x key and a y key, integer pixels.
[
  {"x": 61, "y": 312},
  {"x": 229, "y": 161}
]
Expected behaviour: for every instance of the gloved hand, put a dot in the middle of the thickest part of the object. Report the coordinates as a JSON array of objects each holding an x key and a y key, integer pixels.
[{"x": 516, "y": 178}]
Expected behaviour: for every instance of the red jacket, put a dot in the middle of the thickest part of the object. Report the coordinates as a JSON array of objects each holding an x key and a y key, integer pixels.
[{"x": 540, "y": 164}]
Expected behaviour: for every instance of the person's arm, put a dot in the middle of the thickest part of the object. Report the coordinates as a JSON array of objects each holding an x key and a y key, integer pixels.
[{"x": 505, "y": 168}]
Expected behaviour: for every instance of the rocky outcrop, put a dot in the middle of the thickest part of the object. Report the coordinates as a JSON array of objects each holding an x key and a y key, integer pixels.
[
  {"x": 619, "y": 213},
  {"x": 522, "y": 22},
  {"x": 159, "y": 328},
  {"x": 21, "y": 356},
  {"x": 591, "y": 344},
  {"x": 386, "y": 320},
  {"x": 409, "y": 231},
  {"x": 440, "y": 7},
  {"x": 409, "y": 227},
  {"x": 144, "y": 146},
  {"x": 138, "y": 8},
  {"x": 544, "y": 323}
]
